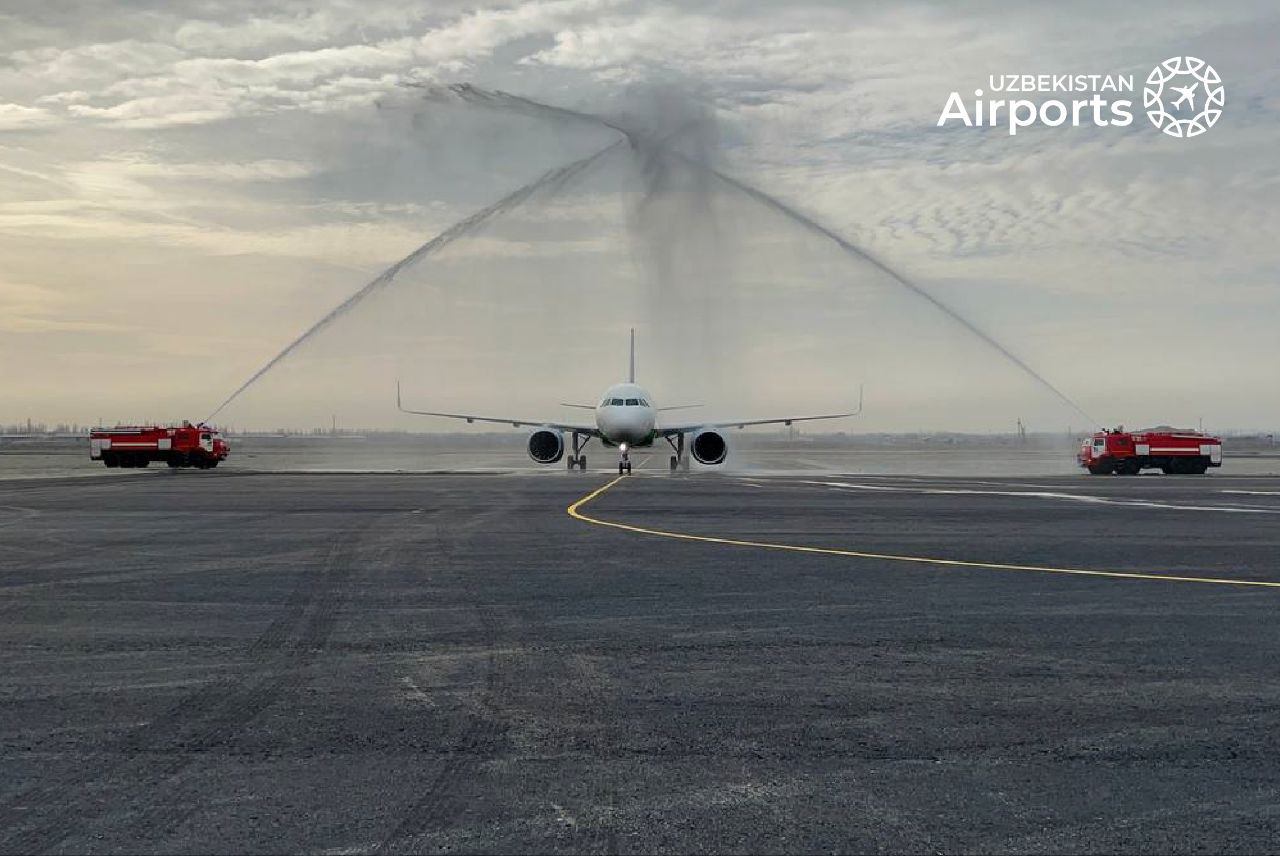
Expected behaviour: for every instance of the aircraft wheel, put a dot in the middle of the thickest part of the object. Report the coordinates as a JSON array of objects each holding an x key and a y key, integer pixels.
[
  {"x": 582, "y": 463},
  {"x": 571, "y": 462},
  {"x": 675, "y": 463}
]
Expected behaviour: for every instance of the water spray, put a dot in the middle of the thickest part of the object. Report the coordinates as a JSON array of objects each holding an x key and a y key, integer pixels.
[
  {"x": 551, "y": 181},
  {"x": 640, "y": 141}
]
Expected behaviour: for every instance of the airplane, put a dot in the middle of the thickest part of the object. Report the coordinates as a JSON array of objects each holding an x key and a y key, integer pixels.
[
  {"x": 627, "y": 419},
  {"x": 1186, "y": 93}
]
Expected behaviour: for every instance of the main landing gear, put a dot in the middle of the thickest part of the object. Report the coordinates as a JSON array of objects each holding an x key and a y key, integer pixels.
[
  {"x": 624, "y": 465},
  {"x": 577, "y": 459},
  {"x": 679, "y": 460}
]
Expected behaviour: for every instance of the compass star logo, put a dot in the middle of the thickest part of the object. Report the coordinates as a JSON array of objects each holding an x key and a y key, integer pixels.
[{"x": 1183, "y": 96}]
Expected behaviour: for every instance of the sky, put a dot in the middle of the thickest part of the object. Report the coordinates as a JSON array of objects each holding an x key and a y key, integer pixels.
[{"x": 185, "y": 187}]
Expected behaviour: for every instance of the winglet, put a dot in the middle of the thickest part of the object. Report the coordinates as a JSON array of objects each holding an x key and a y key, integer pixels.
[
  {"x": 631, "y": 377},
  {"x": 859, "y": 410},
  {"x": 399, "y": 406}
]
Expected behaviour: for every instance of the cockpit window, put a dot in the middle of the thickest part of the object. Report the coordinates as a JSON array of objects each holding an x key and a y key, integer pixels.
[
  {"x": 615, "y": 402},
  {"x": 644, "y": 403},
  {"x": 632, "y": 402}
]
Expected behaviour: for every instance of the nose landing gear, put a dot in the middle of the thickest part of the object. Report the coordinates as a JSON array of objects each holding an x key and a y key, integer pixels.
[{"x": 624, "y": 465}]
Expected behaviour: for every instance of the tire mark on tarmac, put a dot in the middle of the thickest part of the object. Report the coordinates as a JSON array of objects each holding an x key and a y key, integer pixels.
[
  {"x": 437, "y": 804},
  {"x": 18, "y": 514},
  {"x": 590, "y": 682},
  {"x": 42, "y": 817}
]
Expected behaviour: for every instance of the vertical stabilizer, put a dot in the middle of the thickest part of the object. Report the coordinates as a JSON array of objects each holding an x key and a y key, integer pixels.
[{"x": 631, "y": 377}]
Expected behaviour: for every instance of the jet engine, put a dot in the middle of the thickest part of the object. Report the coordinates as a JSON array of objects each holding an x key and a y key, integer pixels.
[
  {"x": 546, "y": 446},
  {"x": 709, "y": 447}
]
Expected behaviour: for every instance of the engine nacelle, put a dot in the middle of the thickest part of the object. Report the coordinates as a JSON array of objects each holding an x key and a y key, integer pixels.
[
  {"x": 546, "y": 446},
  {"x": 709, "y": 447}
]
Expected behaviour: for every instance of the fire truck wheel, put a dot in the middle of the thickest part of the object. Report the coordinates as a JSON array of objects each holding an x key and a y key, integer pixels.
[
  {"x": 1100, "y": 470},
  {"x": 144, "y": 462},
  {"x": 110, "y": 461}
]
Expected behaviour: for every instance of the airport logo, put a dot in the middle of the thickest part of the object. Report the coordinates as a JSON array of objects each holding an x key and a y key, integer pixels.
[
  {"x": 1198, "y": 89},
  {"x": 1183, "y": 97}
]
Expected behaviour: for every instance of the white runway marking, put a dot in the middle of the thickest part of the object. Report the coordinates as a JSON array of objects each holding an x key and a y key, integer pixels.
[{"x": 1043, "y": 494}]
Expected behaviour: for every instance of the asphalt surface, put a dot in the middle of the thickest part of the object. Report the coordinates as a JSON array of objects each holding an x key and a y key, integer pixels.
[{"x": 220, "y": 662}]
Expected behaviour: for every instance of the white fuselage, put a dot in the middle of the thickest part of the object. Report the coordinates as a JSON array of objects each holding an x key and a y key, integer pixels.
[{"x": 626, "y": 414}]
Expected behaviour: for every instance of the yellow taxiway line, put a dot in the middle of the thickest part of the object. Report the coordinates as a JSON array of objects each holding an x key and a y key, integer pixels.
[{"x": 575, "y": 511}]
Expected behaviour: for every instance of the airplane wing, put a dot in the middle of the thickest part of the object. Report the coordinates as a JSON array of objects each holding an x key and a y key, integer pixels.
[
  {"x": 671, "y": 430},
  {"x": 499, "y": 420}
]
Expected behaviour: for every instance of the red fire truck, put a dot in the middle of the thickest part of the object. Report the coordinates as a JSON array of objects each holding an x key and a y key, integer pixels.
[
  {"x": 1173, "y": 450},
  {"x": 137, "y": 446}
]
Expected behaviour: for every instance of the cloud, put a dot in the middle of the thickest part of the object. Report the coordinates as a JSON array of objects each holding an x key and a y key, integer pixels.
[
  {"x": 16, "y": 117},
  {"x": 147, "y": 86}
]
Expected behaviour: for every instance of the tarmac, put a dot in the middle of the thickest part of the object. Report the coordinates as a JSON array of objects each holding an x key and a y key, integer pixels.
[{"x": 223, "y": 661}]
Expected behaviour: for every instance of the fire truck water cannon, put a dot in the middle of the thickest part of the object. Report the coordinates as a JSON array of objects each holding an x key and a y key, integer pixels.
[
  {"x": 186, "y": 445},
  {"x": 1172, "y": 450}
]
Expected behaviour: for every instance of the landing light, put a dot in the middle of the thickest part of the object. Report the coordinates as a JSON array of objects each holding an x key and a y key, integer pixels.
[{"x": 623, "y": 447}]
